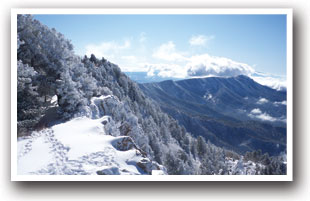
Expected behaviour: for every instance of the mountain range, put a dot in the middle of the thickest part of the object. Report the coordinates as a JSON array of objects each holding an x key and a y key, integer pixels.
[{"x": 235, "y": 112}]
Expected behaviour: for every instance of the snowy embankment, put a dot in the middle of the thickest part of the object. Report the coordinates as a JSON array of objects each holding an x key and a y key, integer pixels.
[{"x": 81, "y": 146}]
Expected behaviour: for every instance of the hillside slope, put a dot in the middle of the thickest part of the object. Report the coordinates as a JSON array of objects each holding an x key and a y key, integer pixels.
[
  {"x": 79, "y": 147},
  {"x": 236, "y": 113}
]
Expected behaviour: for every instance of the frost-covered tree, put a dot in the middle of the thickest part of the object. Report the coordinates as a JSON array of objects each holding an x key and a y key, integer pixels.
[
  {"x": 44, "y": 49},
  {"x": 27, "y": 98}
]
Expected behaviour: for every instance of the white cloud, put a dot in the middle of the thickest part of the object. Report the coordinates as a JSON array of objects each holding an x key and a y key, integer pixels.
[
  {"x": 274, "y": 82},
  {"x": 280, "y": 103},
  {"x": 266, "y": 117},
  {"x": 206, "y": 65},
  {"x": 256, "y": 111},
  {"x": 262, "y": 101},
  {"x": 165, "y": 70},
  {"x": 177, "y": 64},
  {"x": 199, "y": 40},
  {"x": 107, "y": 49},
  {"x": 258, "y": 114},
  {"x": 167, "y": 51},
  {"x": 195, "y": 66}
]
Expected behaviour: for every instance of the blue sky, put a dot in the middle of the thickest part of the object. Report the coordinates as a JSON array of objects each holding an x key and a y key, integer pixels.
[{"x": 180, "y": 45}]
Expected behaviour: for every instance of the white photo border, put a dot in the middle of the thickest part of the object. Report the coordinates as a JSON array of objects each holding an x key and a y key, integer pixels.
[{"x": 244, "y": 11}]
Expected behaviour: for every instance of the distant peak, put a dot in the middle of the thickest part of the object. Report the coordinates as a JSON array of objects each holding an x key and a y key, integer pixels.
[
  {"x": 244, "y": 77},
  {"x": 167, "y": 81}
]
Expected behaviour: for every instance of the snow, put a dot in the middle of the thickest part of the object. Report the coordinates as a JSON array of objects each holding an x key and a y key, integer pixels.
[
  {"x": 96, "y": 105},
  {"x": 275, "y": 82},
  {"x": 76, "y": 132},
  {"x": 209, "y": 97},
  {"x": 79, "y": 146},
  {"x": 158, "y": 172},
  {"x": 26, "y": 162},
  {"x": 54, "y": 100}
]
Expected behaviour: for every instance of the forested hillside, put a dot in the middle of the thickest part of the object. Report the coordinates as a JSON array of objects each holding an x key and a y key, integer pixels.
[
  {"x": 55, "y": 86},
  {"x": 232, "y": 112}
]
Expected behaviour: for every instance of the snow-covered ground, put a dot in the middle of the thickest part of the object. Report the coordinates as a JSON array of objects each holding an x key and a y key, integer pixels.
[{"x": 81, "y": 146}]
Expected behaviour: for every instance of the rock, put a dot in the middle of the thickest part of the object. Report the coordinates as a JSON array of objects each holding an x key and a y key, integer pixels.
[
  {"x": 109, "y": 171},
  {"x": 149, "y": 167},
  {"x": 104, "y": 122},
  {"x": 146, "y": 165},
  {"x": 124, "y": 143},
  {"x": 125, "y": 128}
]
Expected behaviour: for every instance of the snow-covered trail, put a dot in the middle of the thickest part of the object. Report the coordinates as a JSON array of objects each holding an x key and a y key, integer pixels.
[{"x": 81, "y": 147}]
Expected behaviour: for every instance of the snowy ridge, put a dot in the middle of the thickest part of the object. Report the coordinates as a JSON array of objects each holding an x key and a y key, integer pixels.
[{"x": 81, "y": 147}]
